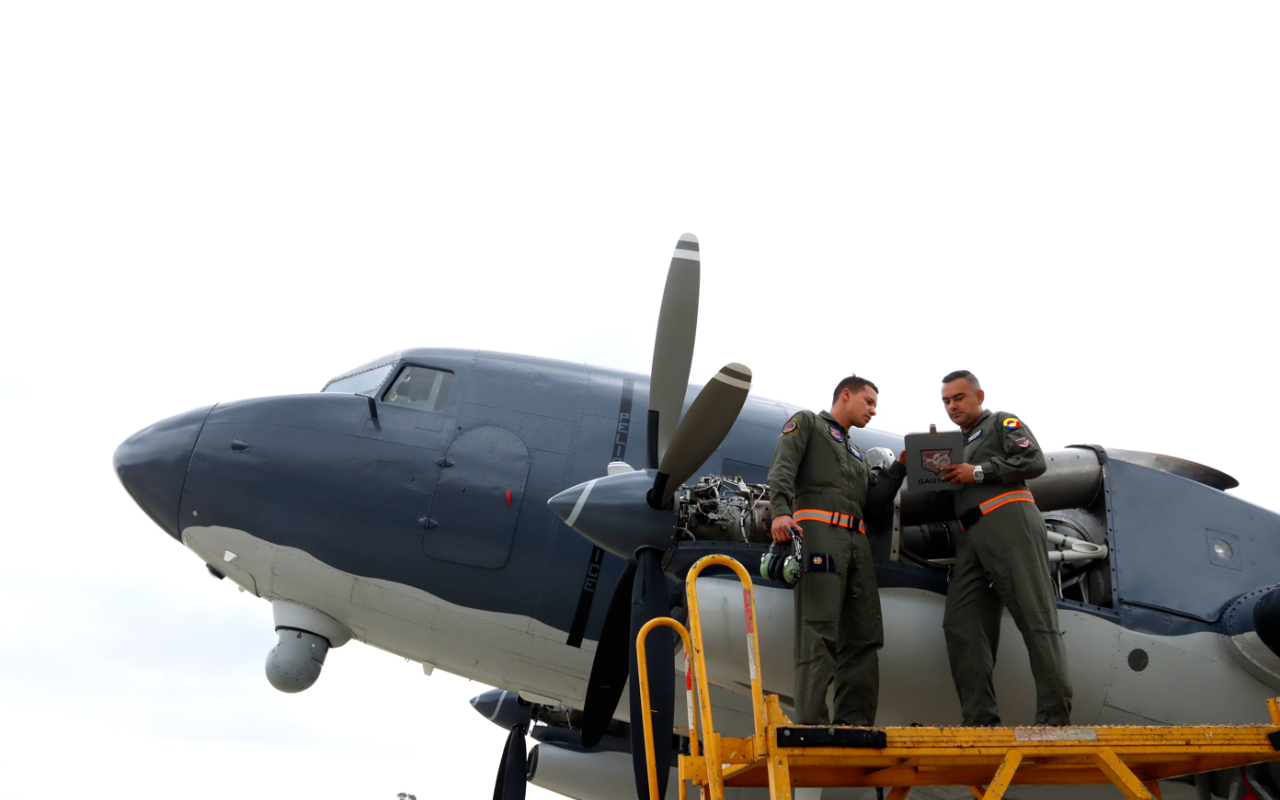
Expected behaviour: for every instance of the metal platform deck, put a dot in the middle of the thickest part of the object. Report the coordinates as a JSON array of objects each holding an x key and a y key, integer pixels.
[{"x": 782, "y": 756}]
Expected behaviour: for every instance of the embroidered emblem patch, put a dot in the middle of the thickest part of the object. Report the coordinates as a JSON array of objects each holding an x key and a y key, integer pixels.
[
  {"x": 853, "y": 451},
  {"x": 790, "y": 426},
  {"x": 1022, "y": 442},
  {"x": 935, "y": 460},
  {"x": 817, "y": 561},
  {"x": 835, "y": 433},
  {"x": 1011, "y": 423},
  {"x": 973, "y": 436}
]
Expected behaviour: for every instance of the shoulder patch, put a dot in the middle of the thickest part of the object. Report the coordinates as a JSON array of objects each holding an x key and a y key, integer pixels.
[
  {"x": 1022, "y": 442},
  {"x": 790, "y": 427},
  {"x": 835, "y": 433},
  {"x": 1011, "y": 423}
]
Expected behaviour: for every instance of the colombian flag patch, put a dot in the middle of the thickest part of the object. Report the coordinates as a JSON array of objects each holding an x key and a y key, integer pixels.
[{"x": 1011, "y": 423}]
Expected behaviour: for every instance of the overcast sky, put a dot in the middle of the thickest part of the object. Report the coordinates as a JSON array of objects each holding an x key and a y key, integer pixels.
[{"x": 205, "y": 202}]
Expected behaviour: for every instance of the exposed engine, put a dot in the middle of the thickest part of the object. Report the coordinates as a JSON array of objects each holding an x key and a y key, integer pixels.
[{"x": 724, "y": 509}]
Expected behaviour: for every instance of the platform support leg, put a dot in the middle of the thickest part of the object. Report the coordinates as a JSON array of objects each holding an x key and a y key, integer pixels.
[
  {"x": 977, "y": 791},
  {"x": 899, "y": 793},
  {"x": 1004, "y": 776},
  {"x": 779, "y": 777},
  {"x": 1120, "y": 775},
  {"x": 1154, "y": 788}
]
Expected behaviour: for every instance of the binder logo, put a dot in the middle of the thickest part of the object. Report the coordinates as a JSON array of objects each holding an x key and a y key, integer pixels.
[{"x": 935, "y": 460}]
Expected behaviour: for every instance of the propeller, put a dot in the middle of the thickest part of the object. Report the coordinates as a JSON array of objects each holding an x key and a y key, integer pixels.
[
  {"x": 513, "y": 771},
  {"x": 673, "y": 346},
  {"x": 650, "y": 599},
  {"x": 676, "y": 449}
]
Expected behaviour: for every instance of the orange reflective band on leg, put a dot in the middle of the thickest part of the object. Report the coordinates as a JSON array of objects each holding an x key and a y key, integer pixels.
[{"x": 830, "y": 518}]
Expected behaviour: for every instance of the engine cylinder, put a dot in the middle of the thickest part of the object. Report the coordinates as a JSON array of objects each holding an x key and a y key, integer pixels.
[{"x": 294, "y": 663}]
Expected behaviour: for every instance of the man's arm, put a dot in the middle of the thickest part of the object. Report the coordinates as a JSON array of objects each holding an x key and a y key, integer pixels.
[
  {"x": 1023, "y": 459},
  {"x": 882, "y": 488},
  {"x": 787, "y": 455}
]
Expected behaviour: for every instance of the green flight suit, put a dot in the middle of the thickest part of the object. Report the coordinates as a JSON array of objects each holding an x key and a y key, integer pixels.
[
  {"x": 1002, "y": 560},
  {"x": 818, "y": 472}
]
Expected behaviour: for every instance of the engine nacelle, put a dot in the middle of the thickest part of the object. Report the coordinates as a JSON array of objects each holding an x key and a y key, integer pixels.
[
  {"x": 593, "y": 775},
  {"x": 306, "y": 635}
]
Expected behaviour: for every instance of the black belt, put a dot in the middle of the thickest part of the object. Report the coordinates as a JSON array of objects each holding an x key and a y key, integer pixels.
[{"x": 968, "y": 518}]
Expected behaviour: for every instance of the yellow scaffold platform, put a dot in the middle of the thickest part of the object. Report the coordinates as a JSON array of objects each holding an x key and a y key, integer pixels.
[{"x": 781, "y": 755}]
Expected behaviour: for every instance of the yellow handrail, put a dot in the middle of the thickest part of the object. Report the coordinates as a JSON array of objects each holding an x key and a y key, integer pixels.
[
  {"x": 692, "y": 640},
  {"x": 642, "y": 666},
  {"x": 753, "y": 643}
]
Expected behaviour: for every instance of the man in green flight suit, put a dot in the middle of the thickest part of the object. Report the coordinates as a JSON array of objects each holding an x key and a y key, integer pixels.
[
  {"x": 820, "y": 484},
  {"x": 1001, "y": 560}
]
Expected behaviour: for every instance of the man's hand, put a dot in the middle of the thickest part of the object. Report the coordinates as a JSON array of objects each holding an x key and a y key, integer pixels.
[
  {"x": 781, "y": 526},
  {"x": 958, "y": 473},
  {"x": 902, "y": 457}
]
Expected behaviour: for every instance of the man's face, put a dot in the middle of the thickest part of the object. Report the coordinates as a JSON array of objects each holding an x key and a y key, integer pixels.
[
  {"x": 861, "y": 407},
  {"x": 963, "y": 402}
]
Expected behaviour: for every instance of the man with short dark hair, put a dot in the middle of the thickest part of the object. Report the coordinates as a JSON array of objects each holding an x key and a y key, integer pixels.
[
  {"x": 820, "y": 484},
  {"x": 1001, "y": 560}
]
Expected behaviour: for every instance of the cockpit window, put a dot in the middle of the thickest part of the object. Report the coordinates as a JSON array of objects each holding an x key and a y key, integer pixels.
[
  {"x": 360, "y": 383},
  {"x": 421, "y": 388}
]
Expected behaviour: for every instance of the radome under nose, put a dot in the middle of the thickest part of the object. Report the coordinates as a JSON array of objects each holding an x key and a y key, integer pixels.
[{"x": 152, "y": 465}]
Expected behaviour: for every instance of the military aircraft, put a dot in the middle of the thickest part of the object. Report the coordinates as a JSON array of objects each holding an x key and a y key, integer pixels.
[{"x": 515, "y": 520}]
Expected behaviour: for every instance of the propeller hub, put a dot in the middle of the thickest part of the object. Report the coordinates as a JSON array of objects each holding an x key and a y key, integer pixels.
[{"x": 613, "y": 513}]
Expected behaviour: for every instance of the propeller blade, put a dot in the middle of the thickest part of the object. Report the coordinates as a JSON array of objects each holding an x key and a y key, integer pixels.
[
  {"x": 673, "y": 347},
  {"x": 649, "y": 599},
  {"x": 710, "y": 417},
  {"x": 609, "y": 669},
  {"x": 513, "y": 771}
]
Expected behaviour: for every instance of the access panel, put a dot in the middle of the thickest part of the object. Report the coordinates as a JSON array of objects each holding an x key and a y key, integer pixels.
[{"x": 477, "y": 501}]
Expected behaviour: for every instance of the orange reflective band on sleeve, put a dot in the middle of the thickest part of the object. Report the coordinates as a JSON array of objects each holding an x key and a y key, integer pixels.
[
  {"x": 979, "y": 511},
  {"x": 830, "y": 518}
]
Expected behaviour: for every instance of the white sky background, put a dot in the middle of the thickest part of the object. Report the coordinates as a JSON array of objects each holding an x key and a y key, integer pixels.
[{"x": 200, "y": 203}]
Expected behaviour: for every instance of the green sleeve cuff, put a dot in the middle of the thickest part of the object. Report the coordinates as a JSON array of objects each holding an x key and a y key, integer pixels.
[
  {"x": 897, "y": 470},
  {"x": 989, "y": 472}
]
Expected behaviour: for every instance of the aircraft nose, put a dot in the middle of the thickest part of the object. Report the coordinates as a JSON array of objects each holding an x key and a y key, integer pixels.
[{"x": 152, "y": 465}]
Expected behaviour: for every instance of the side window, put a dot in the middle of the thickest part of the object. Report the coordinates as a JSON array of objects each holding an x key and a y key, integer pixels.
[{"x": 421, "y": 388}]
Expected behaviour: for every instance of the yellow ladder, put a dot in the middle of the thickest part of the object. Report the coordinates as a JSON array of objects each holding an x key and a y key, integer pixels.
[{"x": 781, "y": 755}]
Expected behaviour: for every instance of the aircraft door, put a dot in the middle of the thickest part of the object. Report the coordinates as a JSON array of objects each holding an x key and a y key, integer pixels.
[{"x": 477, "y": 501}]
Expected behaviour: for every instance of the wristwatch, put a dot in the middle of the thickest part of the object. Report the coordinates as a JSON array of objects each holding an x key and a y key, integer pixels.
[{"x": 977, "y": 474}]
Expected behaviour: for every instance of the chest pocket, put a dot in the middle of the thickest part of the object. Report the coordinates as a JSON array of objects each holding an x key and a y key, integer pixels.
[{"x": 846, "y": 464}]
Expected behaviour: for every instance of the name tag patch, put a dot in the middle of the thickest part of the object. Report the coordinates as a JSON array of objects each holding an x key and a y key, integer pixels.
[
  {"x": 973, "y": 436},
  {"x": 853, "y": 451},
  {"x": 835, "y": 433}
]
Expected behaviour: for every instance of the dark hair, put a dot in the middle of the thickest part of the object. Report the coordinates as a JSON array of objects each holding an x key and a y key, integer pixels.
[
  {"x": 854, "y": 384},
  {"x": 963, "y": 373}
]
